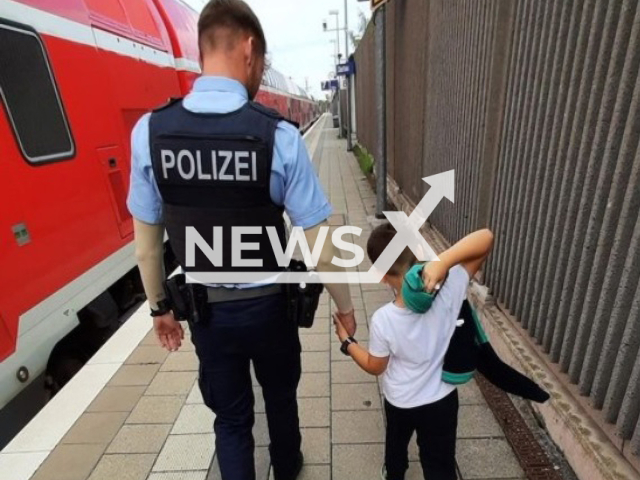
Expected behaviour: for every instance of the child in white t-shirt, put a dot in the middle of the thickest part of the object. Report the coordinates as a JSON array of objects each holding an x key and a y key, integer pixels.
[{"x": 408, "y": 350}]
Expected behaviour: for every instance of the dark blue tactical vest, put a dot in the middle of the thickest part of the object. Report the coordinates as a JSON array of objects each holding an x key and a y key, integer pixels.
[{"x": 213, "y": 172}]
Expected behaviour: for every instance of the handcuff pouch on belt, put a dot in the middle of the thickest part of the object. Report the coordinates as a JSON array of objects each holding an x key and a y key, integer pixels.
[
  {"x": 302, "y": 298},
  {"x": 188, "y": 300}
]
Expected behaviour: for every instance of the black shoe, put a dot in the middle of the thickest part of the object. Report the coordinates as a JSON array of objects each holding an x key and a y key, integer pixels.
[
  {"x": 299, "y": 465},
  {"x": 296, "y": 471}
]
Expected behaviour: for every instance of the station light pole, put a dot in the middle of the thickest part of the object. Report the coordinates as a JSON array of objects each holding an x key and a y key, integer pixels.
[
  {"x": 337, "y": 30},
  {"x": 335, "y": 55},
  {"x": 337, "y": 14},
  {"x": 348, "y": 79}
]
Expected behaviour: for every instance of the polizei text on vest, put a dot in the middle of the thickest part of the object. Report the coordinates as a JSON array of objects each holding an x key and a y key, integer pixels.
[{"x": 214, "y": 165}]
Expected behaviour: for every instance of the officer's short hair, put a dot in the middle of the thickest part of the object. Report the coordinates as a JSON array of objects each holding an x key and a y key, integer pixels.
[
  {"x": 380, "y": 237},
  {"x": 234, "y": 15}
]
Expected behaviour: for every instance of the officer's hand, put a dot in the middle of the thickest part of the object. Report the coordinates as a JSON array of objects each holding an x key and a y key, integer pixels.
[
  {"x": 169, "y": 332},
  {"x": 341, "y": 332},
  {"x": 348, "y": 320}
]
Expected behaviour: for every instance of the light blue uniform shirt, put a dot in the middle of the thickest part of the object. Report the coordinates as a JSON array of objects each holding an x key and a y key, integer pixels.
[{"x": 294, "y": 183}]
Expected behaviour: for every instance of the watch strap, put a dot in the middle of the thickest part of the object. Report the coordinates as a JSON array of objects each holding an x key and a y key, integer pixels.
[
  {"x": 162, "y": 308},
  {"x": 344, "y": 348}
]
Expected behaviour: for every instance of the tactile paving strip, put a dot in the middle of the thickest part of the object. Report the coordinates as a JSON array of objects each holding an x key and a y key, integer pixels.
[{"x": 533, "y": 459}]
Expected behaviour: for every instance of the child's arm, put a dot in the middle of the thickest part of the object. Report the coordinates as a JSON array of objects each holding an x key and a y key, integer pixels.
[
  {"x": 470, "y": 252},
  {"x": 366, "y": 361}
]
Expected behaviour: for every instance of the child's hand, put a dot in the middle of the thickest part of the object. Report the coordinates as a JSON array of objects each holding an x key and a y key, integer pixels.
[
  {"x": 433, "y": 274},
  {"x": 348, "y": 321},
  {"x": 341, "y": 332}
]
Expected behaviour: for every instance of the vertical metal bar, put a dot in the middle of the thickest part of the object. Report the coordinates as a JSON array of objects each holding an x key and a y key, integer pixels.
[
  {"x": 456, "y": 146},
  {"x": 346, "y": 57},
  {"x": 431, "y": 148},
  {"x": 390, "y": 87},
  {"x": 447, "y": 91},
  {"x": 481, "y": 129},
  {"x": 340, "y": 119},
  {"x": 431, "y": 111},
  {"x": 504, "y": 165},
  {"x": 469, "y": 110},
  {"x": 466, "y": 112},
  {"x": 418, "y": 186},
  {"x": 452, "y": 138},
  {"x": 502, "y": 82},
  {"x": 482, "y": 15},
  {"x": 381, "y": 113}
]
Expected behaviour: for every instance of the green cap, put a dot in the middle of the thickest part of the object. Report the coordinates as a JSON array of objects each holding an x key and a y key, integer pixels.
[{"x": 415, "y": 297}]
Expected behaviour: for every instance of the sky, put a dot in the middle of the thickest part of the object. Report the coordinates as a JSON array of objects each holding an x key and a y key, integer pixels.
[{"x": 297, "y": 45}]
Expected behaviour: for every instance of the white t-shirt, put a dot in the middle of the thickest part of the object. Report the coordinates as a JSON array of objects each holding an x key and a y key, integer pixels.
[{"x": 417, "y": 343}]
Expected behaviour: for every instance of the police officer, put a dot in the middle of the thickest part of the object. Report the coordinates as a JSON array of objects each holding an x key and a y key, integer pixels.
[{"x": 216, "y": 159}]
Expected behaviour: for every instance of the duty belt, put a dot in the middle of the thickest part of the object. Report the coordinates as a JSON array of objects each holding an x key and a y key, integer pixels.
[{"x": 222, "y": 294}]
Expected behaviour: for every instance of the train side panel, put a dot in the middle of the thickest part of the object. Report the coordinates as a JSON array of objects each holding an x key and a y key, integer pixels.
[{"x": 65, "y": 216}]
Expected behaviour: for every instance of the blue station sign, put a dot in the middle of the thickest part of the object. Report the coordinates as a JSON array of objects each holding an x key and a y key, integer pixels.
[
  {"x": 345, "y": 69},
  {"x": 329, "y": 84}
]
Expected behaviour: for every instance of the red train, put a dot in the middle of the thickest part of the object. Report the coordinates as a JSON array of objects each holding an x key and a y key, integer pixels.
[{"x": 75, "y": 76}]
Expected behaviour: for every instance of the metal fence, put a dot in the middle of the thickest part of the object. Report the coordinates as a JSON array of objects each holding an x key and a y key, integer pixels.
[
  {"x": 536, "y": 105},
  {"x": 365, "y": 91}
]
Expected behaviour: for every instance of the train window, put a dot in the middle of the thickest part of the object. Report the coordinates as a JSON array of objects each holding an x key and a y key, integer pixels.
[
  {"x": 31, "y": 98},
  {"x": 108, "y": 13},
  {"x": 143, "y": 22}
]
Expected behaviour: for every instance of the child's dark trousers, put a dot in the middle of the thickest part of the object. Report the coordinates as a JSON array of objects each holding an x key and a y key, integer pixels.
[{"x": 435, "y": 425}]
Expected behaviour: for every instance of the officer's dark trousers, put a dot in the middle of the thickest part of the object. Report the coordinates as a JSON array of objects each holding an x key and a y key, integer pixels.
[{"x": 237, "y": 334}]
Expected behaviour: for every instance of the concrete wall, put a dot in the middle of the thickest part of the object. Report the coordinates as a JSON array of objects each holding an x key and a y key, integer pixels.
[{"x": 535, "y": 104}]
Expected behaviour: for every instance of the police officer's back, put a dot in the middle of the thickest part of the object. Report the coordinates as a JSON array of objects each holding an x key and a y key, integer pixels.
[{"x": 215, "y": 160}]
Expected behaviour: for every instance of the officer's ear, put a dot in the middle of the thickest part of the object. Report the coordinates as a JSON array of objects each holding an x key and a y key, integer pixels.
[
  {"x": 249, "y": 49},
  {"x": 255, "y": 52}
]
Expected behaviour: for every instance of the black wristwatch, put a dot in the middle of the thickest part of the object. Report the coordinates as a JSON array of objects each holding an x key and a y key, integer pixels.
[
  {"x": 344, "y": 348},
  {"x": 164, "y": 307}
]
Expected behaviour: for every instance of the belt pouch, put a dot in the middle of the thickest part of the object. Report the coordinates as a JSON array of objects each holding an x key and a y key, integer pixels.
[{"x": 303, "y": 298}]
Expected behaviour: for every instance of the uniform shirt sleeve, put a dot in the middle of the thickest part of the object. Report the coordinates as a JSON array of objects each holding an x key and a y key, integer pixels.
[
  {"x": 378, "y": 341},
  {"x": 304, "y": 200},
  {"x": 144, "y": 201},
  {"x": 454, "y": 290}
]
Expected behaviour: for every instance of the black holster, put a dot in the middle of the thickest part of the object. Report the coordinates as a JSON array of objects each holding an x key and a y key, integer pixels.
[
  {"x": 188, "y": 300},
  {"x": 302, "y": 298}
]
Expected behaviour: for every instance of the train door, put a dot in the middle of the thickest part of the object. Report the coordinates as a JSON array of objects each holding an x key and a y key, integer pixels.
[
  {"x": 114, "y": 166},
  {"x": 133, "y": 85}
]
